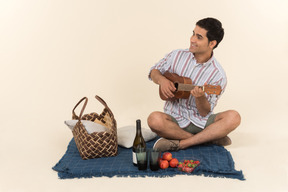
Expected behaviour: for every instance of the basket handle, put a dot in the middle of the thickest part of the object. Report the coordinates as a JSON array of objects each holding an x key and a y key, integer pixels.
[
  {"x": 104, "y": 103},
  {"x": 74, "y": 116}
]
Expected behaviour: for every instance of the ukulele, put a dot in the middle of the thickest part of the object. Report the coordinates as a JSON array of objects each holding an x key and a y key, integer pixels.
[{"x": 184, "y": 85}]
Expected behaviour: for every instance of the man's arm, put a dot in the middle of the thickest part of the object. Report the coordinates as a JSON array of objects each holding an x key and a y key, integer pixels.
[
  {"x": 167, "y": 87},
  {"x": 202, "y": 102}
]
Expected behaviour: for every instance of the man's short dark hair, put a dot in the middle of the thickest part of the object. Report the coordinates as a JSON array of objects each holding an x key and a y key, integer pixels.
[{"x": 214, "y": 29}]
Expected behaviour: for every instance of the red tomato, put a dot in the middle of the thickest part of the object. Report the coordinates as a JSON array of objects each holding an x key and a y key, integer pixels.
[
  {"x": 164, "y": 164},
  {"x": 167, "y": 156},
  {"x": 174, "y": 162}
]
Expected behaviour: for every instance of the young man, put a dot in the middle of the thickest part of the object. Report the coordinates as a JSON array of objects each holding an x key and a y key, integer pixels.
[{"x": 188, "y": 122}]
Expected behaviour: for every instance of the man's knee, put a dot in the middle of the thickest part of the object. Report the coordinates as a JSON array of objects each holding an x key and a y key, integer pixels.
[
  {"x": 155, "y": 121},
  {"x": 233, "y": 118}
]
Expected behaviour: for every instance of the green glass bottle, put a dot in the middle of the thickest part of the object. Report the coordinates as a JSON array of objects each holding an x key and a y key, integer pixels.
[{"x": 139, "y": 142}]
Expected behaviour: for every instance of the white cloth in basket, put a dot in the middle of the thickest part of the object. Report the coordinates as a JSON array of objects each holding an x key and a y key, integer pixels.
[{"x": 90, "y": 126}]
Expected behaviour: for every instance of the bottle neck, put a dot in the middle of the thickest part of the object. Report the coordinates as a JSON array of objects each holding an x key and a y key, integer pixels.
[
  {"x": 138, "y": 131},
  {"x": 138, "y": 127}
]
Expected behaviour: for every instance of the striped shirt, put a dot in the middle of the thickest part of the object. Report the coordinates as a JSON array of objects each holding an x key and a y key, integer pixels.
[{"x": 183, "y": 63}]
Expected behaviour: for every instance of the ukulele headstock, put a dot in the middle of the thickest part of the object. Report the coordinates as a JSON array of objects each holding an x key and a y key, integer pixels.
[{"x": 212, "y": 89}]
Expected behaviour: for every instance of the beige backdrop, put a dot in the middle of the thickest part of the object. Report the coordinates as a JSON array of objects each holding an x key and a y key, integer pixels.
[{"x": 54, "y": 52}]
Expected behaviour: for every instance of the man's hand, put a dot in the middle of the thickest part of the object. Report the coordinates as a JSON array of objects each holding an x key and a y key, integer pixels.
[
  {"x": 167, "y": 87},
  {"x": 197, "y": 92}
]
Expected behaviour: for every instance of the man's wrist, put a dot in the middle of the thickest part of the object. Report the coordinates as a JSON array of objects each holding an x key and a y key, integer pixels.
[{"x": 161, "y": 79}]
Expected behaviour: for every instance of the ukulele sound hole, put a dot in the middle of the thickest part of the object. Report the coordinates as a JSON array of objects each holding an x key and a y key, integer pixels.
[{"x": 176, "y": 86}]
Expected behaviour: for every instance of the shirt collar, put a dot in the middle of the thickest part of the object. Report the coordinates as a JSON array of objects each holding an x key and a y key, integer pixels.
[{"x": 206, "y": 63}]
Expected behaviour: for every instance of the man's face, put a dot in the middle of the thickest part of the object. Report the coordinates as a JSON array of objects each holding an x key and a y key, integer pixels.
[{"x": 199, "y": 43}]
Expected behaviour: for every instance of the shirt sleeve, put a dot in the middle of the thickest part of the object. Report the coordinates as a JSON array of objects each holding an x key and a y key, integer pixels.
[{"x": 163, "y": 65}]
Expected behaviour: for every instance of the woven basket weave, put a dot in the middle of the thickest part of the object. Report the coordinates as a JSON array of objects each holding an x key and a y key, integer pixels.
[{"x": 97, "y": 144}]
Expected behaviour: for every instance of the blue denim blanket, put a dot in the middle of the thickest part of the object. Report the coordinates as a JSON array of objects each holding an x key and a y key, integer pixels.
[{"x": 215, "y": 161}]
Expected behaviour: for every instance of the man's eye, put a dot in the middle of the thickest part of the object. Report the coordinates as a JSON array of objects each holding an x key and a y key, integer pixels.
[{"x": 199, "y": 37}]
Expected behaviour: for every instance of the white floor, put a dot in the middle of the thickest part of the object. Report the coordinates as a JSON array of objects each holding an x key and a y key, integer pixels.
[
  {"x": 261, "y": 156},
  {"x": 52, "y": 53}
]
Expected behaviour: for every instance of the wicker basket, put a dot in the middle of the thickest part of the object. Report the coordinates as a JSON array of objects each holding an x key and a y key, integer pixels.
[{"x": 97, "y": 144}]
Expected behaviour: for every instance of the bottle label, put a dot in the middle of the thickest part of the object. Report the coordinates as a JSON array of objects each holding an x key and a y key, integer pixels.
[{"x": 134, "y": 158}]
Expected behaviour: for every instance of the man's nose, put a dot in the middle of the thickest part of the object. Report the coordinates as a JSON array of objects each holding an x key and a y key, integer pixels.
[{"x": 192, "y": 39}]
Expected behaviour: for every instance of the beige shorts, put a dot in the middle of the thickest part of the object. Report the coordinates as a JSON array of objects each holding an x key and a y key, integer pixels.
[{"x": 191, "y": 128}]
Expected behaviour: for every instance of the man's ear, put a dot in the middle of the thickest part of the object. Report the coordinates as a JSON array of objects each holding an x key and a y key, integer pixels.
[{"x": 212, "y": 44}]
